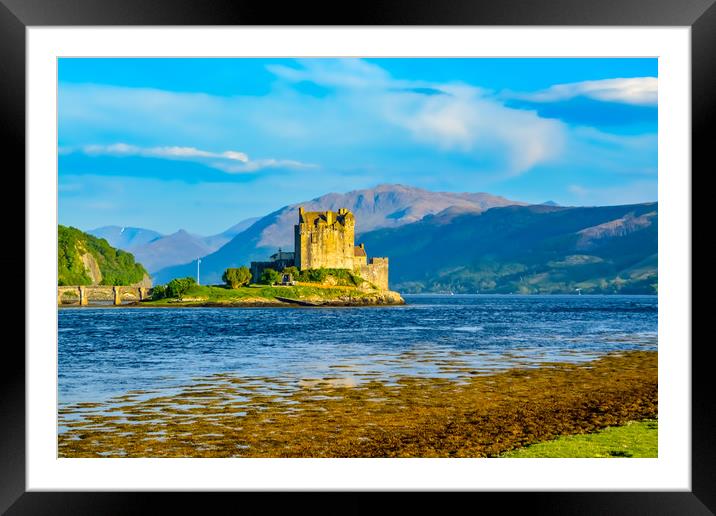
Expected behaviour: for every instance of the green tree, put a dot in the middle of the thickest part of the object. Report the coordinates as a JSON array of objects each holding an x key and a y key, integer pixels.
[
  {"x": 237, "y": 277},
  {"x": 269, "y": 276},
  {"x": 179, "y": 286},
  {"x": 293, "y": 271},
  {"x": 159, "y": 292}
]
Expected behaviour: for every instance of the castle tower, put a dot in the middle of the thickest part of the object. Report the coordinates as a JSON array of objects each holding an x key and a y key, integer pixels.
[{"x": 324, "y": 239}]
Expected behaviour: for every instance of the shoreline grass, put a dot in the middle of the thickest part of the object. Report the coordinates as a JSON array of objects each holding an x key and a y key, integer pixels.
[
  {"x": 635, "y": 439},
  {"x": 267, "y": 295}
]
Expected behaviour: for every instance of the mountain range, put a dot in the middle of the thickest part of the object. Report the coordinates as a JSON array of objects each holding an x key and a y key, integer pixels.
[
  {"x": 525, "y": 249},
  {"x": 385, "y": 206},
  {"x": 440, "y": 242},
  {"x": 156, "y": 251}
]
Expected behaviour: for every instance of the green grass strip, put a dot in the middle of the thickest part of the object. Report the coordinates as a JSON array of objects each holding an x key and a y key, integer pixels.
[{"x": 638, "y": 439}]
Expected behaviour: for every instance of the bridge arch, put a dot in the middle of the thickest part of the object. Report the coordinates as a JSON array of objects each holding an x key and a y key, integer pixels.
[{"x": 116, "y": 294}]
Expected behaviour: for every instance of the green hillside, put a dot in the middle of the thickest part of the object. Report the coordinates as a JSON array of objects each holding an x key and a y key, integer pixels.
[
  {"x": 525, "y": 249},
  {"x": 86, "y": 260}
]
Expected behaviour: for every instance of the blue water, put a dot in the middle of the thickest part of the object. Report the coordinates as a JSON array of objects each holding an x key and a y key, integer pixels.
[{"x": 105, "y": 352}]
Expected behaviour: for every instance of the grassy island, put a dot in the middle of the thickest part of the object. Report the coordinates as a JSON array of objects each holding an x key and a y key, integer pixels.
[{"x": 301, "y": 294}]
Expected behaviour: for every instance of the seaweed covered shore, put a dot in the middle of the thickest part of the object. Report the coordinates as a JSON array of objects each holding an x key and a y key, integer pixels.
[{"x": 475, "y": 416}]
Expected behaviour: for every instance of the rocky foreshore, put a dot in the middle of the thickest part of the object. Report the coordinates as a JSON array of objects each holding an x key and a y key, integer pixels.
[
  {"x": 229, "y": 415},
  {"x": 382, "y": 299},
  {"x": 293, "y": 296},
  {"x": 387, "y": 297}
]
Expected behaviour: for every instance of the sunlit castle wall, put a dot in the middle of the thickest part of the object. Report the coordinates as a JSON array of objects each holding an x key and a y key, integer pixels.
[
  {"x": 324, "y": 239},
  {"x": 375, "y": 271}
]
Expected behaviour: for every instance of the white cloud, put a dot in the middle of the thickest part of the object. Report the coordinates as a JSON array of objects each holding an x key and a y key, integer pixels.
[
  {"x": 369, "y": 119},
  {"x": 229, "y": 161},
  {"x": 467, "y": 121},
  {"x": 636, "y": 90},
  {"x": 464, "y": 119},
  {"x": 122, "y": 149},
  {"x": 259, "y": 164}
]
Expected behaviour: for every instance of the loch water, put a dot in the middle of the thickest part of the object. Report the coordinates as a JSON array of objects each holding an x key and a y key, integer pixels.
[{"x": 106, "y": 352}]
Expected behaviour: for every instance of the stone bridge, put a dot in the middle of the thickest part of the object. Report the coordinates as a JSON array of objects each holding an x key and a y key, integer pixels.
[{"x": 87, "y": 293}]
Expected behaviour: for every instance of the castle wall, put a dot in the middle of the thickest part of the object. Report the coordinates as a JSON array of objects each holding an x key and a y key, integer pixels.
[
  {"x": 375, "y": 271},
  {"x": 257, "y": 268}
]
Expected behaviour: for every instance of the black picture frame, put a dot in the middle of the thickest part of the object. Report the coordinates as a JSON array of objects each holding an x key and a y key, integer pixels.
[{"x": 17, "y": 15}]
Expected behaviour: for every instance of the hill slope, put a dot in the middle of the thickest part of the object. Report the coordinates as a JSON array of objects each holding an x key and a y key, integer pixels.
[
  {"x": 526, "y": 249},
  {"x": 385, "y": 206},
  {"x": 83, "y": 259}
]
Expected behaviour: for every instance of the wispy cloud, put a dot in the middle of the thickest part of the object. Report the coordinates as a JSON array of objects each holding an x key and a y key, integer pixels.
[
  {"x": 636, "y": 90},
  {"x": 448, "y": 116},
  {"x": 467, "y": 122},
  {"x": 122, "y": 149},
  {"x": 229, "y": 161},
  {"x": 259, "y": 164},
  {"x": 338, "y": 73},
  {"x": 578, "y": 190},
  {"x": 364, "y": 119}
]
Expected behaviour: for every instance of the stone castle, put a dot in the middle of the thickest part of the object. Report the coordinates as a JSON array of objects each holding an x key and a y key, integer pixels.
[{"x": 327, "y": 239}]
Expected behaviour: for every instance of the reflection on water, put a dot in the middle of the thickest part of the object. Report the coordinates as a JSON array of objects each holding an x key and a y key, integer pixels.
[{"x": 133, "y": 354}]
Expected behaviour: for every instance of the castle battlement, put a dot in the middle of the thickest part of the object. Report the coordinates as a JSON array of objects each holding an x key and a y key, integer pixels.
[{"x": 316, "y": 219}]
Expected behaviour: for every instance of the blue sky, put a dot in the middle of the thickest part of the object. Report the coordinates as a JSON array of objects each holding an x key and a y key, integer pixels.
[{"x": 201, "y": 144}]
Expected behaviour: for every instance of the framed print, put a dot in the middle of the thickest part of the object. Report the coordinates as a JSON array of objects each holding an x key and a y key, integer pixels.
[{"x": 418, "y": 253}]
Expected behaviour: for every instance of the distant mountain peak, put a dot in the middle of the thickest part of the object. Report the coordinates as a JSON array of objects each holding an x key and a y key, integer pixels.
[
  {"x": 124, "y": 237},
  {"x": 156, "y": 251}
]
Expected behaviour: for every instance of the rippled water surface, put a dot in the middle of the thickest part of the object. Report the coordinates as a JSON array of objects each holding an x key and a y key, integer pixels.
[{"x": 105, "y": 352}]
